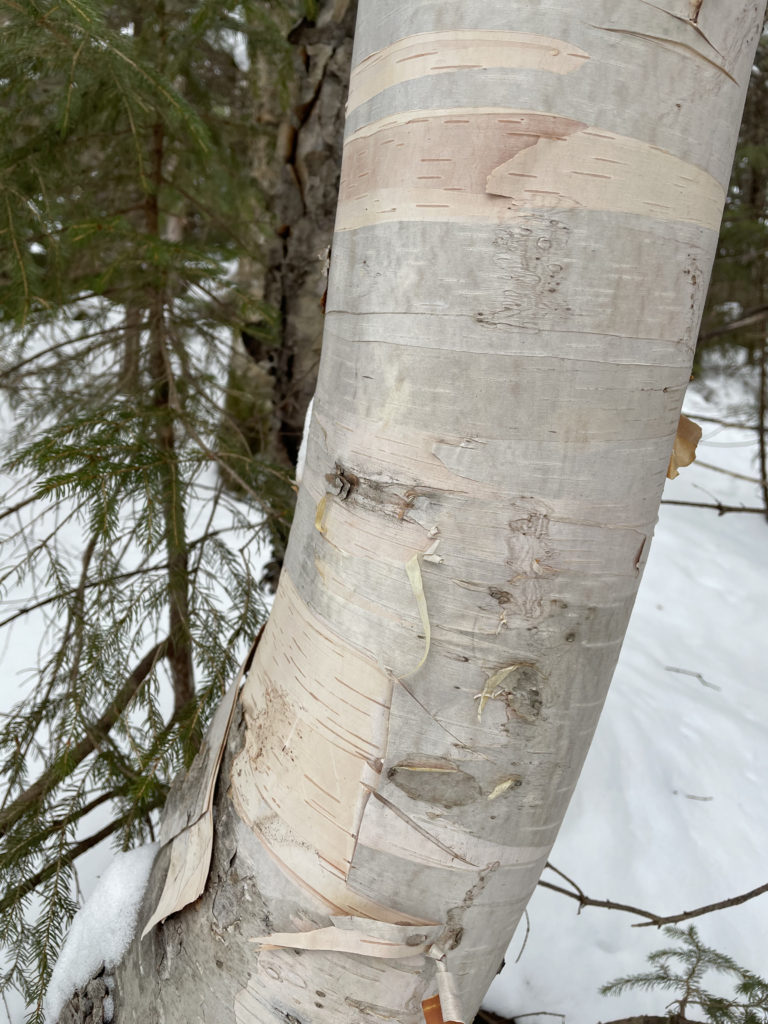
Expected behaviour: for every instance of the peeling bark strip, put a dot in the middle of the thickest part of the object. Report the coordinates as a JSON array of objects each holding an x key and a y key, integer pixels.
[
  {"x": 313, "y": 750},
  {"x": 434, "y": 53},
  {"x": 464, "y": 163},
  {"x": 188, "y": 815}
]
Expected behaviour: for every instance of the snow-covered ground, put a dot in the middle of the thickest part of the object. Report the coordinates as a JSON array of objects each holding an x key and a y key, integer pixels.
[{"x": 671, "y": 811}]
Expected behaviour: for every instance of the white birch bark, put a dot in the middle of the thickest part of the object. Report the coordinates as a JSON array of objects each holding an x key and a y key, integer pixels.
[{"x": 528, "y": 213}]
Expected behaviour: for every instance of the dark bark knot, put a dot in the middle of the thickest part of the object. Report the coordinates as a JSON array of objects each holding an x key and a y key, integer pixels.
[{"x": 342, "y": 481}]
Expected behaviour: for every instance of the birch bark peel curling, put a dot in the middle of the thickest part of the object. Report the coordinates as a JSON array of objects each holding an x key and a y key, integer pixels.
[
  {"x": 599, "y": 170},
  {"x": 434, "y": 53},
  {"x": 498, "y": 164},
  {"x": 684, "y": 449},
  {"x": 315, "y": 739}
]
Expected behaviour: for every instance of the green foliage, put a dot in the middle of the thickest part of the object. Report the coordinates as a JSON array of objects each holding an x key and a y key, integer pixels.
[
  {"x": 127, "y": 200},
  {"x": 682, "y": 969}
]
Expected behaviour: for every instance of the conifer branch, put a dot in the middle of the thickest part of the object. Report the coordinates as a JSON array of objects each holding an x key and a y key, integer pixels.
[
  {"x": 107, "y": 335},
  {"x": 18, "y": 506},
  {"x": 142, "y": 570},
  {"x": 61, "y": 823},
  {"x": 18, "y": 892},
  {"x": 728, "y": 472},
  {"x": 66, "y": 763}
]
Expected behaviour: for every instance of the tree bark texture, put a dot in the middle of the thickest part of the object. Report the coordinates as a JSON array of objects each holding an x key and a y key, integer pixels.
[
  {"x": 296, "y": 163},
  {"x": 528, "y": 211}
]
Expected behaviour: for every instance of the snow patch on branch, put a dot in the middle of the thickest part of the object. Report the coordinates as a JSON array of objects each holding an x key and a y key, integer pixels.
[{"x": 102, "y": 929}]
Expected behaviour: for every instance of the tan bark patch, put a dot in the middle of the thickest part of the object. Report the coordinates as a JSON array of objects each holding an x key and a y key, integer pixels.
[
  {"x": 434, "y": 53},
  {"x": 434, "y": 165},
  {"x": 603, "y": 171},
  {"x": 316, "y": 712},
  {"x": 315, "y": 730},
  {"x": 684, "y": 449},
  {"x": 497, "y": 164}
]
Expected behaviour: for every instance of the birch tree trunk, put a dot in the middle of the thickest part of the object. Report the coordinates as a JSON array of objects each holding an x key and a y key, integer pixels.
[{"x": 528, "y": 212}]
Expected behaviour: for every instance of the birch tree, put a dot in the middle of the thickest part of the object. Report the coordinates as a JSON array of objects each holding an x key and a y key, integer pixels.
[{"x": 528, "y": 211}]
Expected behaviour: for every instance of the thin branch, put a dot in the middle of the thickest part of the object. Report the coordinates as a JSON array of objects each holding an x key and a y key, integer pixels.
[
  {"x": 587, "y": 901},
  {"x": 751, "y": 317},
  {"x": 218, "y": 456},
  {"x": 19, "y": 505},
  {"x": 718, "y": 506},
  {"x": 724, "y": 423},
  {"x": 74, "y": 624},
  {"x": 103, "y": 581},
  {"x": 695, "y": 675},
  {"x": 525, "y": 938},
  {"x": 762, "y": 401},
  {"x": 65, "y": 764},
  {"x": 41, "y": 545},
  {"x": 576, "y": 893},
  {"x": 652, "y": 1020},
  {"x": 196, "y": 202},
  {"x": 728, "y": 472},
  {"x": 734, "y": 901},
  {"x": 67, "y": 819},
  {"x": 30, "y": 884},
  {"x": 565, "y": 878},
  {"x": 108, "y": 333},
  {"x": 539, "y": 1013}
]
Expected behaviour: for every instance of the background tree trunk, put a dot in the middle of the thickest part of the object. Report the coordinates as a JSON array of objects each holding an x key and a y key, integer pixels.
[
  {"x": 528, "y": 211},
  {"x": 296, "y": 164}
]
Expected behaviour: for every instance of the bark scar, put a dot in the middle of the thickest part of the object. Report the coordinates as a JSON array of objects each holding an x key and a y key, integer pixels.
[
  {"x": 674, "y": 42},
  {"x": 417, "y": 828}
]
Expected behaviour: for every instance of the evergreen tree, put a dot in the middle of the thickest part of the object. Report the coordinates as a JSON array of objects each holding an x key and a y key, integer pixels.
[
  {"x": 685, "y": 969},
  {"x": 127, "y": 203}
]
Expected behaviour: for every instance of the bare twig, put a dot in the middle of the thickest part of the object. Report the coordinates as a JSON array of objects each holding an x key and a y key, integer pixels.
[
  {"x": 644, "y": 1019},
  {"x": 751, "y": 317},
  {"x": 718, "y": 506},
  {"x": 695, "y": 675},
  {"x": 538, "y": 1013},
  {"x": 525, "y": 938},
  {"x": 576, "y": 893},
  {"x": 728, "y": 472},
  {"x": 763, "y": 453}
]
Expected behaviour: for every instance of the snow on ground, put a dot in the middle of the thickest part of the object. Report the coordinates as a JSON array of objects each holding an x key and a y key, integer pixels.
[
  {"x": 102, "y": 928},
  {"x": 671, "y": 811}
]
